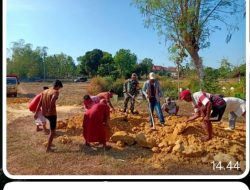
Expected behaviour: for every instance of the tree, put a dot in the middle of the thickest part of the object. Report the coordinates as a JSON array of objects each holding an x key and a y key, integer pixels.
[
  {"x": 225, "y": 68},
  {"x": 106, "y": 64},
  {"x": 190, "y": 23},
  {"x": 146, "y": 66},
  {"x": 24, "y": 61},
  {"x": 60, "y": 66},
  {"x": 178, "y": 54},
  {"x": 91, "y": 61},
  {"x": 211, "y": 83},
  {"x": 125, "y": 62}
]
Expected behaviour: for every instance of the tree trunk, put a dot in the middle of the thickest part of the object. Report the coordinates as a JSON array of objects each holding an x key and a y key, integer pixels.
[
  {"x": 178, "y": 70},
  {"x": 198, "y": 65}
]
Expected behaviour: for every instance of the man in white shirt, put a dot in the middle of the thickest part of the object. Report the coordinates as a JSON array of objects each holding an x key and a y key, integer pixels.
[
  {"x": 203, "y": 104},
  {"x": 236, "y": 108}
]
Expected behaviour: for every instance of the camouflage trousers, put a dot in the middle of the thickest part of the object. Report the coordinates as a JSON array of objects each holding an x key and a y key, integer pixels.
[{"x": 132, "y": 103}]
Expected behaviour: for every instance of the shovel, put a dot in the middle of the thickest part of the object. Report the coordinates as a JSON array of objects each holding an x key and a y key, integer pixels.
[{"x": 151, "y": 115}]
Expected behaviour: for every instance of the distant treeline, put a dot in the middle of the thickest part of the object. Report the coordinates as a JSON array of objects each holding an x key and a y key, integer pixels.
[{"x": 35, "y": 64}]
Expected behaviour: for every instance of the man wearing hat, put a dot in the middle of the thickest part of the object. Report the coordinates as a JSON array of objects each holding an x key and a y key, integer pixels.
[
  {"x": 130, "y": 89},
  {"x": 203, "y": 104},
  {"x": 152, "y": 92}
]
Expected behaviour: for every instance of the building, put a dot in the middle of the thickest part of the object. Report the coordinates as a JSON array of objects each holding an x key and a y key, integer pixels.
[{"x": 171, "y": 70}]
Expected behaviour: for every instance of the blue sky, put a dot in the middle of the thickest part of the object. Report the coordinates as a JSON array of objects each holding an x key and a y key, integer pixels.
[{"x": 76, "y": 26}]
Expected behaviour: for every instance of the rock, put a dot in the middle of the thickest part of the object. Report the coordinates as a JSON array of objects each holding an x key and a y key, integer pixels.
[
  {"x": 192, "y": 151},
  {"x": 61, "y": 125},
  {"x": 243, "y": 165},
  {"x": 157, "y": 166},
  {"x": 169, "y": 130},
  {"x": 236, "y": 149},
  {"x": 179, "y": 128},
  {"x": 167, "y": 149},
  {"x": 142, "y": 141},
  {"x": 224, "y": 158},
  {"x": 179, "y": 147},
  {"x": 120, "y": 144},
  {"x": 64, "y": 139},
  {"x": 123, "y": 137},
  {"x": 163, "y": 144},
  {"x": 151, "y": 142},
  {"x": 226, "y": 142},
  {"x": 156, "y": 150},
  {"x": 134, "y": 129},
  {"x": 208, "y": 158}
]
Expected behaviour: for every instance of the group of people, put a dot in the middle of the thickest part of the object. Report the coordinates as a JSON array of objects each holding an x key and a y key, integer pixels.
[{"x": 97, "y": 109}]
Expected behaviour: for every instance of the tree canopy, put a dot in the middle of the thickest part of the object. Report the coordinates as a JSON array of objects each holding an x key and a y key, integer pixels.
[{"x": 189, "y": 23}]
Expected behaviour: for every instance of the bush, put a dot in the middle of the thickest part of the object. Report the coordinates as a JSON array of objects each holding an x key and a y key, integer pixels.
[
  {"x": 117, "y": 86},
  {"x": 194, "y": 85},
  {"x": 169, "y": 87},
  {"x": 104, "y": 84},
  {"x": 99, "y": 84}
]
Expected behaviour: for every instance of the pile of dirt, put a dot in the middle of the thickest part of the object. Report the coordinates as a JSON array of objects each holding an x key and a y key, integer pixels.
[{"x": 177, "y": 140}]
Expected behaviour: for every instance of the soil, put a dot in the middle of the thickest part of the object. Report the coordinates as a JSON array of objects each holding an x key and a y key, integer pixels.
[{"x": 171, "y": 150}]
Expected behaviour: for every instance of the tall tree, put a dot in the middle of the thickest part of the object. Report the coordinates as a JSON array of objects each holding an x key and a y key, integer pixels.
[
  {"x": 177, "y": 55},
  {"x": 225, "y": 68},
  {"x": 90, "y": 61},
  {"x": 24, "y": 61},
  {"x": 190, "y": 22},
  {"x": 146, "y": 66},
  {"x": 60, "y": 66},
  {"x": 106, "y": 64},
  {"x": 125, "y": 62}
]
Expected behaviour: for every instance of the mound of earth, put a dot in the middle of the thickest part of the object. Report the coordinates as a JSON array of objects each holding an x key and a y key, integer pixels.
[{"x": 176, "y": 141}]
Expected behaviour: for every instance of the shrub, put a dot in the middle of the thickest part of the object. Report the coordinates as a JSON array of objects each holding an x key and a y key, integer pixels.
[
  {"x": 99, "y": 84},
  {"x": 194, "y": 85},
  {"x": 169, "y": 87},
  {"x": 104, "y": 84},
  {"x": 117, "y": 86}
]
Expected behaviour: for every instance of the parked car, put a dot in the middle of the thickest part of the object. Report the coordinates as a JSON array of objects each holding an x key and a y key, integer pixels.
[
  {"x": 81, "y": 79},
  {"x": 12, "y": 84}
]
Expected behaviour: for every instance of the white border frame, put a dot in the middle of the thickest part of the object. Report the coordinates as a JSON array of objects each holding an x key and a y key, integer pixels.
[
  {"x": 125, "y": 185},
  {"x": 122, "y": 176}
]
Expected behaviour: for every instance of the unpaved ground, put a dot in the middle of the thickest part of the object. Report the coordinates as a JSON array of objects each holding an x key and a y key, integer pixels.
[{"x": 173, "y": 150}]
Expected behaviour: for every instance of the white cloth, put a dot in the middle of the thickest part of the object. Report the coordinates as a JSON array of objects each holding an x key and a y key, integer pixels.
[
  {"x": 171, "y": 107},
  {"x": 200, "y": 98},
  {"x": 41, "y": 120},
  {"x": 236, "y": 105}
]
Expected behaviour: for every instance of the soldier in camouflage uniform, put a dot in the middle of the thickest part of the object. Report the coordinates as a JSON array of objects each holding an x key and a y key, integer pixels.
[{"x": 130, "y": 89}]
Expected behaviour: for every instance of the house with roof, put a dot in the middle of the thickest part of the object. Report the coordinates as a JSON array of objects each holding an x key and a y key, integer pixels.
[{"x": 171, "y": 70}]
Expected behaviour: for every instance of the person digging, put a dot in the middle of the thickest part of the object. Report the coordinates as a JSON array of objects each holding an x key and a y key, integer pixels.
[
  {"x": 204, "y": 103},
  {"x": 130, "y": 91}
]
